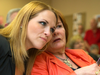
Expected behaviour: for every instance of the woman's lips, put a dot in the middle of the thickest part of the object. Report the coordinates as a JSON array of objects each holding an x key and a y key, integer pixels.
[
  {"x": 56, "y": 40},
  {"x": 44, "y": 39}
]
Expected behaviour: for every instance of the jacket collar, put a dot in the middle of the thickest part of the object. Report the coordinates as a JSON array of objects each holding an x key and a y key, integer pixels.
[{"x": 78, "y": 56}]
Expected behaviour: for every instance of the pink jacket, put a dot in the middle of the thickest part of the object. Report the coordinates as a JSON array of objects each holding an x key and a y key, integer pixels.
[{"x": 47, "y": 64}]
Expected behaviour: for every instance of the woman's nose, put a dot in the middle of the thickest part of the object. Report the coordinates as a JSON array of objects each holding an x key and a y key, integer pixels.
[
  {"x": 47, "y": 32},
  {"x": 55, "y": 33}
]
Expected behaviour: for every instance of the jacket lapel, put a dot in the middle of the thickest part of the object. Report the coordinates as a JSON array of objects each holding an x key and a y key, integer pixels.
[
  {"x": 78, "y": 56},
  {"x": 59, "y": 63}
]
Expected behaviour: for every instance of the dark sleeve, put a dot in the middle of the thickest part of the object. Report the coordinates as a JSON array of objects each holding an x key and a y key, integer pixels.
[
  {"x": 40, "y": 66},
  {"x": 4, "y": 46},
  {"x": 6, "y": 64}
]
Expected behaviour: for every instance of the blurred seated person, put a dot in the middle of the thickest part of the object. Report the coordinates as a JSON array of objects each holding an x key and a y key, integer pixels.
[
  {"x": 77, "y": 42},
  {"x": 57, "y": 60},
  {"x": 81, "y": 30},
  {"x": 94, "y": 49},
  {"x": 92, "y": 36},
  {"x": 11, "y": 15}
]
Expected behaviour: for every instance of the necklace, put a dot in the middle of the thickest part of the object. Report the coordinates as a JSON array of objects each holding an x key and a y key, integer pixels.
[{"x": 65, "y": 61}]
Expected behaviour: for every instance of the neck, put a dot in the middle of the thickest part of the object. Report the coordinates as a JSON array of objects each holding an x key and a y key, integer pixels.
[{"x": 58, "y": 52}]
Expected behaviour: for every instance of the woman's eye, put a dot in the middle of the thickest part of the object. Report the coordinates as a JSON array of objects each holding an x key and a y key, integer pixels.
[
  {"x": 52, "y": 30},
  {"x": 43, "y": 23},
  {"x": 59, "y": 26}
]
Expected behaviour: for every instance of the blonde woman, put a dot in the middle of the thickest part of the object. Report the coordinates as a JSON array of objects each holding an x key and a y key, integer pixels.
[{"x": 25, "y": 37}]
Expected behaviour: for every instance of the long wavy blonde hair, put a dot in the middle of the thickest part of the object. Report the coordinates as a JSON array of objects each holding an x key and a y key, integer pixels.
[{"x": 17, "y": 35}]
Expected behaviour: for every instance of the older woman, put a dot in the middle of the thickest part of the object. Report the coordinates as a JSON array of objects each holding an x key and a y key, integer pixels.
[{"x": 57, "y": 60}]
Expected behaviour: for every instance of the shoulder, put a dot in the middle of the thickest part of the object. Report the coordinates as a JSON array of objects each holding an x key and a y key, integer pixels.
[
  {"x": 3, "y": 40},
  {"x": 80, "y": 54},
  {"x": 44, "y": 55},
  {"x": 4, "y": 44},
  {"x": 40, "y": 65},
  {"x": 77, "y": 52},
  {"x": 41, "y": 59}
]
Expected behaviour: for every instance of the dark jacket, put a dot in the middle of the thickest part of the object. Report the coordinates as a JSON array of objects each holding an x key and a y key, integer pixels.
[{"x": 7, "y": 66}]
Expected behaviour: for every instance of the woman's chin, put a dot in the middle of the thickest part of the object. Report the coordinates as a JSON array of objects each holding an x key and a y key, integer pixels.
[
  {"x": 58, "y": 46},
  {"x": 39, "y": 47}
]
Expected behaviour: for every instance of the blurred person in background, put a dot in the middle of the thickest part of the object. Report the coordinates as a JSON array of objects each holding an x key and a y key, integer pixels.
[
  {"x": 77, "y": 42},
  {"x": 57, "y": 60},
  {"x": 98, "y": 20},
  {"x": 81, "y": 30},
  {"x": 11, "y": 15},
  {"x": 92, "y": 36},
  {"x": 94, "y": 49}
]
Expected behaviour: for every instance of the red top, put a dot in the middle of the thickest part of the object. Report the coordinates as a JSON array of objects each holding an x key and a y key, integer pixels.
[
  {"x": 92, "y": 38},
  {"x": 47, "y": 64}
]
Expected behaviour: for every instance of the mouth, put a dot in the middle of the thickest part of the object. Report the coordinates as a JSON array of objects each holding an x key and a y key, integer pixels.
[
  {"x": 56, "y": 40},
  {"x": 44, "y": 39}
]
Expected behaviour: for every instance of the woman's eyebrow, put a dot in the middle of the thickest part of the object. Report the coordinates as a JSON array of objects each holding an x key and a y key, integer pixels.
[{"x": 46, "y": 21}]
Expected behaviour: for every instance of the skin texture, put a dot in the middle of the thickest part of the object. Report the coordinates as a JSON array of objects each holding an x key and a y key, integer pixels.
[{"x": 40, "y": 29}]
